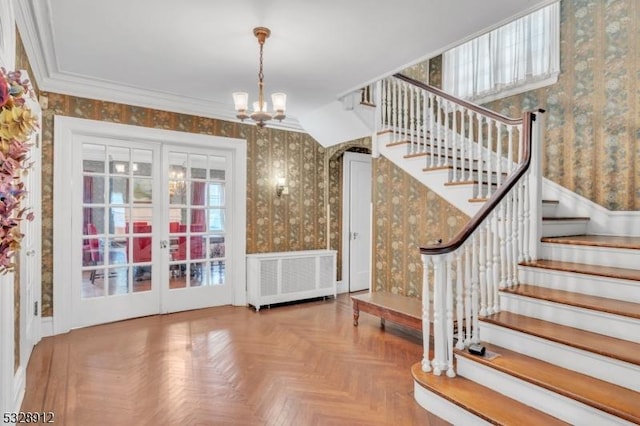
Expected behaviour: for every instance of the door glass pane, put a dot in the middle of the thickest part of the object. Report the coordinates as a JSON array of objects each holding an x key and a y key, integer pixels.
[
  {"x": 198, "y": 166},
  {"x": 119, "y": 190},
  {"x": 119, "y": 160},
  {"x": 216, "y": 220},
  {"x": 142, "y": 191},
  {"x": 118, "y": 220},
  {"x": 93, "y": 158},
  {"x": 93, "y": 189},
  {"x": 118, "y": 281},
  {"x": 93, "y": 220},
  {"x": 141, "y": 162}
]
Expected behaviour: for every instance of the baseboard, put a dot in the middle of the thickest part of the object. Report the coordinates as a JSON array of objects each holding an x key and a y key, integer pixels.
[
  {"x": 19, "y": 383},
  {"x": 603, "y": 221},
  {"x": 46, "y": 326}
]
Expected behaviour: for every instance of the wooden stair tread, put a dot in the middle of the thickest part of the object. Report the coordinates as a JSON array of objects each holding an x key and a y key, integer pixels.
[
  {"x": 586, "y": 269},
  {"x": 597, "y": 241},
  {"x": 485, "y": 403},
  {"x": 613, "y": 399},
  {"x": 601, "y": 304},
  {"x": 601, "y": 344}
]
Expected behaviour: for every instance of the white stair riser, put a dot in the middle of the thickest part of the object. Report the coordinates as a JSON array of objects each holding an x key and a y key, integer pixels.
[
  {"x": 598, "y": 366},
  {"x": 562, "y": 228},
  {"x": 549, "y": 209},
  {"x": 444, "y": 409},
  {"x": 604, "y": 256},
  {"x": 595, "y": 321},
  {"x": 611, "y": 288},
  {"x": 561, "y": 407}
]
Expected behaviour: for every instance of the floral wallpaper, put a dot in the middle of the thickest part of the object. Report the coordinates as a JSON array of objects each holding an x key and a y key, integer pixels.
[{"x": 406, "y": 216}]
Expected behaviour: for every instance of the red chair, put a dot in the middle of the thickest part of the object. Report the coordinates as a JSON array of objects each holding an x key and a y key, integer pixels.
[{"x": 91, "y": 248}]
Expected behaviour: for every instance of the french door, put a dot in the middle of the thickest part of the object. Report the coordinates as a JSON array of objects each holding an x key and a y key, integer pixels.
[{"x": 151, "y": 229}]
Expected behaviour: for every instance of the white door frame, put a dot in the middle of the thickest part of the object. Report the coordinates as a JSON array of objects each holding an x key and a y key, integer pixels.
[
  {"x": 68, "y": 128},
  {"x": 346, "y": 214}
]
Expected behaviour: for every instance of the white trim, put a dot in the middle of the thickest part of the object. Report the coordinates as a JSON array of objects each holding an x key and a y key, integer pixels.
[
  {"x": 603, "y": 221},
  {"x": 6, "y": 343},
  {"x": 445, "y": 409},
  {"x": 46, "y": 327},
  {"x": 66, "y": 129},
  {"x": 34, "y": 20},
  {"x": 19, "y": 387}
]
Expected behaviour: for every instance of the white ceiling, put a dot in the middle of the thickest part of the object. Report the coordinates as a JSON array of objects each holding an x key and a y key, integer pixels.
[{"x": 190, "y": 55}]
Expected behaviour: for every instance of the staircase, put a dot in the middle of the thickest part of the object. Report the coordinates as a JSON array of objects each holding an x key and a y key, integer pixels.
[{"x": 561, "y": 332}]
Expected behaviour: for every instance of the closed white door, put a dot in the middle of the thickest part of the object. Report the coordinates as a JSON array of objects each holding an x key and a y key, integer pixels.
[
  {"x": 357, "y": 171},
  {"x": 118, "y": 201}
]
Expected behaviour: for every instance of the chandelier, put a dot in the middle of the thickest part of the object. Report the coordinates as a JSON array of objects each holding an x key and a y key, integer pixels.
[{"x": 260, "y": 112}]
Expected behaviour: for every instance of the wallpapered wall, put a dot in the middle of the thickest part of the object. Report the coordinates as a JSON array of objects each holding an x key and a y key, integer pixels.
[
  {"x": 406, "y": 216},
  {"x": 592, "y": 141}
]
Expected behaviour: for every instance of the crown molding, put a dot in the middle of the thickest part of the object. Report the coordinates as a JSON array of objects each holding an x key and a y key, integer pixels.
[{"x": 33, "y": 18}]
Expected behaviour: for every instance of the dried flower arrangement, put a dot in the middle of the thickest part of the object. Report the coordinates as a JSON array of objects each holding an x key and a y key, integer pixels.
[{"x": 17, "y": 124}]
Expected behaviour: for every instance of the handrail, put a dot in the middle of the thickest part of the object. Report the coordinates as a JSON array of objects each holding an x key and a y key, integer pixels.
[
  {"x": 466, "y": 104},
  {"x": 496, "y": 197}
]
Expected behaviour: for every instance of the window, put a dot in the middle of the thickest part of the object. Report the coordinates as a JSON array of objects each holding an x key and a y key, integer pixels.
[{"x": 517, "y": 57}]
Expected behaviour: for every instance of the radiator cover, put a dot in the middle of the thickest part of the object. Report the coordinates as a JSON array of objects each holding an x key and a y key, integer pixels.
[{"x": 290, "y": 276}]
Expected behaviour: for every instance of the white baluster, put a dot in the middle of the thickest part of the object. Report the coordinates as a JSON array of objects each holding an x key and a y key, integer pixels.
[
  {"x": 499, "y": 161},
  {"x": 396, "y": 111},
  {"x": 480, "y": 155},
  {"x": 425, "y": 123},
  {"x": 426, "y": 320},
  {"x": 469, "y": 174},
  {"x": 467, "y": 293},
  {"x": 438, "y": 120},
  {"x": 455, "y": 137},
  {"x": 459, "y": 299},
  {"x": 489, "y": 260},
  {"x": 511, "y": 163},
  {"x": 475, "y": 288},
  {"x": 521, "y": 224},
  {"x": 489, "y": 167},
  {"x": 482, "y": 269},
  {"x": 432, "y": 110},
  {"x": 405, "y": 112},
  {"x": 446, "y": 133},
  {"x": 502, "y": 234},
  {"x": 449, "y": 287},
  {"x": 514, "y": 234},
  {"x": 497, "y": 276},
  {"x": 526, "y": 236},
  {"x": 411, "y": 111}
]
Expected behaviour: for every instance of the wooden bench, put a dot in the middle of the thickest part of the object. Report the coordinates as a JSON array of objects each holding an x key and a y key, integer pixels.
[{"x": 403, "y": 310}]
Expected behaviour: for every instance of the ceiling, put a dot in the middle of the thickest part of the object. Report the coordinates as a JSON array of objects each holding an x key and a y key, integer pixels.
[{"x": 190, "y": 55}]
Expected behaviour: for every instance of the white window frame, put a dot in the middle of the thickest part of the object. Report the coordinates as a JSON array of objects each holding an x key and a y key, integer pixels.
[{"x": 486, "y": 59}]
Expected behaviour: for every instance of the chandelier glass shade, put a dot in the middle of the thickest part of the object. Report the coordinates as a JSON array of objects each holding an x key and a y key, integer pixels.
[{"x": 260, "y": 112}]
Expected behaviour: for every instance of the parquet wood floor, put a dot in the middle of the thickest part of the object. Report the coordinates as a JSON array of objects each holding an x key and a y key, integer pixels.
[{"x": 303, "y": 364}]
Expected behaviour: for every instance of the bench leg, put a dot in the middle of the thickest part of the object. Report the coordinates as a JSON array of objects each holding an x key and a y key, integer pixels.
[
  {"x": 382, "y": 323},
  {"x": 356, "y": 315}
]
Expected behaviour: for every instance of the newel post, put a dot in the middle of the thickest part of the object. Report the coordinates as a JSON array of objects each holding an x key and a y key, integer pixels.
[
  {"x": 440, "y": 344},
  {"x": 426, "y": 316},
  {"x": 535, "y": 184}
]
